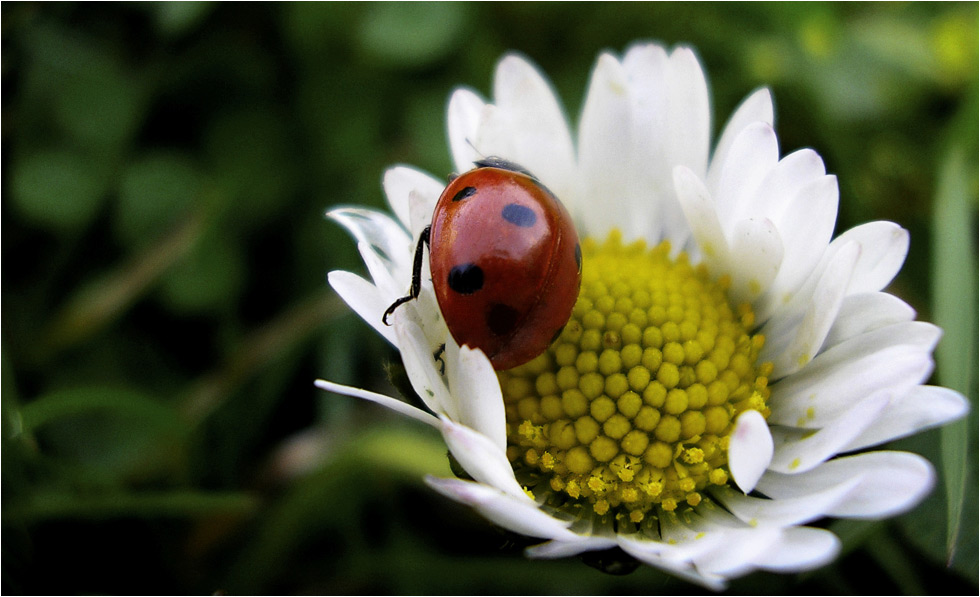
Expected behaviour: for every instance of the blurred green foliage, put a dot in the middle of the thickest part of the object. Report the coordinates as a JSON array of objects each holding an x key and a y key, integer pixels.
[{"x": 165, "y": 309}]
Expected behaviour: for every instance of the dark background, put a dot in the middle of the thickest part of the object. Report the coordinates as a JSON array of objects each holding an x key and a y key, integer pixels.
[{"x": 165, "y": 170}]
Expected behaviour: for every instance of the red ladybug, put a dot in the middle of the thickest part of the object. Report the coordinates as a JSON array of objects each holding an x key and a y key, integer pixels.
[{"x": 505, "y": 260}]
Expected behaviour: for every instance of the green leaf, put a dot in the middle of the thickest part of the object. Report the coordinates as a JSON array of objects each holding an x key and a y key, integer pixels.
[
  {"x": 210, "y": 276},
  {"x": 59, "y": 189},
  {"x": 155, "y": 191},
  {"x": 413, "y": 34},
  {"x": 251, "y": 150},
  {"x": 74, "y": 402},
  {"x": 178, "y": 18},
  {"x": 93, "y": 97},
  {"x": 955, "y": 298},
  {"x": 171, "y": 504},
  {"x": 108, "y": 434}
]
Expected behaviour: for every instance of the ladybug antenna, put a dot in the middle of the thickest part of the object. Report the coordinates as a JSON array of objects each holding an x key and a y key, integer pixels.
[
  {"x": 492, "y": 161},
  {"x": 473, "y": 147}
]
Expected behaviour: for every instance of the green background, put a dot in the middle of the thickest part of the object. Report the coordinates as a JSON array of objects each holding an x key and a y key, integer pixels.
[{"x": 165, "y": 170}]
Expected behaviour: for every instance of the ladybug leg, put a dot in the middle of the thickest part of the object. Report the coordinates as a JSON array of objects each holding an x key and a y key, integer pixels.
[
  {"x": 416, "y": 277},
  {"x": 437, "y": 355}
]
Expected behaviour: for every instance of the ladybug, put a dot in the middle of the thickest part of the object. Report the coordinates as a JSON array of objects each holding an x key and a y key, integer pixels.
[{"x": 505, "y": 260}]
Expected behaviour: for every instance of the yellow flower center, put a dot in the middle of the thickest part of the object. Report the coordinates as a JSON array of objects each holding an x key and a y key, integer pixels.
[{"x": 633, "y": 405}]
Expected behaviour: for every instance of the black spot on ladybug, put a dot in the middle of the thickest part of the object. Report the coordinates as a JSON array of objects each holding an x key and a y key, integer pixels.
[
  {"x": 578, "y": 257},
  {"x": 501, "y": 319},
  {"x": 466, "y": 278},
  {"x": 464, "y": 193},
  {"x": 519, "y": 215}
]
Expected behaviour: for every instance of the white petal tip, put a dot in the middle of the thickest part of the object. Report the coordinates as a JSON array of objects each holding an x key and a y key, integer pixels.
[{"x": 750, "y": 450}]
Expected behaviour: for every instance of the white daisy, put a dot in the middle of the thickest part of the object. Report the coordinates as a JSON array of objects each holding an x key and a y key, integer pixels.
[{"x": 727, "y": 363}]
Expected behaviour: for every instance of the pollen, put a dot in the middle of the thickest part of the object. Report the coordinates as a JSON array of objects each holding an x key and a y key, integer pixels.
[{"x": 630, "y": 410}]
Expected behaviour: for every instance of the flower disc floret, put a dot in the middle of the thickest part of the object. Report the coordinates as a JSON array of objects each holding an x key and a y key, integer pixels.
[{"x": 632, "y": 407}]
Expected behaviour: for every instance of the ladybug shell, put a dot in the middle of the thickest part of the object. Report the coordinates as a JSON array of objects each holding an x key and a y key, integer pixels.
[{"x": 506, "y": 264}]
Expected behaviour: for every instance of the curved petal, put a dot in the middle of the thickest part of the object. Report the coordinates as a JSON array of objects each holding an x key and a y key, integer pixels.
[
  {"x": 481, "y": 458},
  {"x": 420, "y": 366},
  {"x": 866, "y": 312},
  {"x": 750, "y": 450},
  {"x": 474, "y": 386},
  {"x": 798, "y": 450},
  {"x": 794, "y": 337},
  {"x": 799, "y": 549},
  {"x": 819, "y": 394},
  {"x": 641, "y": 550},
  {"x": 889, "y": 483},
  {"x": 387, "y": 239},
  {"x": 400, "y": 182},
  {"x": 514, "y": 514},
  {"x": 884, "y": 246},
  {"x": 396, "y": 405},
  {"x": 365, "y": 299},
  {"x": 909, "y": 412},
  {"x": 783, "y": 512},
  {"x": 563, "y": 549}
]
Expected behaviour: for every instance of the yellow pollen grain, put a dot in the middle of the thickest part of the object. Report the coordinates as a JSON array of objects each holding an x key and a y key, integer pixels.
[{"x": 629, "y": 411}]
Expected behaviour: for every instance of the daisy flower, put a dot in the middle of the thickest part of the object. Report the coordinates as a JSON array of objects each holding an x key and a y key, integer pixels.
[{"x": 727, "y": 365}]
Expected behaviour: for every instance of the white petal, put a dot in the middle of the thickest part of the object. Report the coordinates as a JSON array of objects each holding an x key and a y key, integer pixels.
[
  {"x": 420, "y": 366},
  {"x": 798, "y": 450},
  {"x": 784, "y": 182},
  {"x": 910, "y": 412},
  {"x": 741, "y": 547},
  {"x": 894, "y": 358},
  {"x": 605, "y": 142},
  {"x": 784, "y": 512},
  {"x": 865, "y": 312},
  {"x": 799, "y": 549},
  {"x": 757, "y": 107},
  {"x": 756, "y": 254},
  {"x": 794, "y": 337},
  {"x": 753, "y": 155},
  {"x": 680, "y": 568},
  {"x": 805, "y": 228},
  {"x": 400, "y": 181},
  {"x": 420, "y": 209},
  {"x": 390, "y": 284},
  {"x": 365, "y": 299},
  {"x": 750, "y": 450},
  {"x": 513, "y": 514},
  {"x": 466, "y": 114},
  {"x": 563, "y": 549},
  {"x": 387, "y": 239},
  {"x": 818, "y": 395},
  {"x": 481, "y": 458},
  {"x": 689, "y": 123},
  {"x": 529, "y": 105},
  {"x": 650, "y": 178},
  {"x": 702, "y": 218},
  {"x": 884, "y": 246},
  {"x": 889, "y": 483},
  {"x": 396, "y": 405},
  {"x": 474, "y": 386}
]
